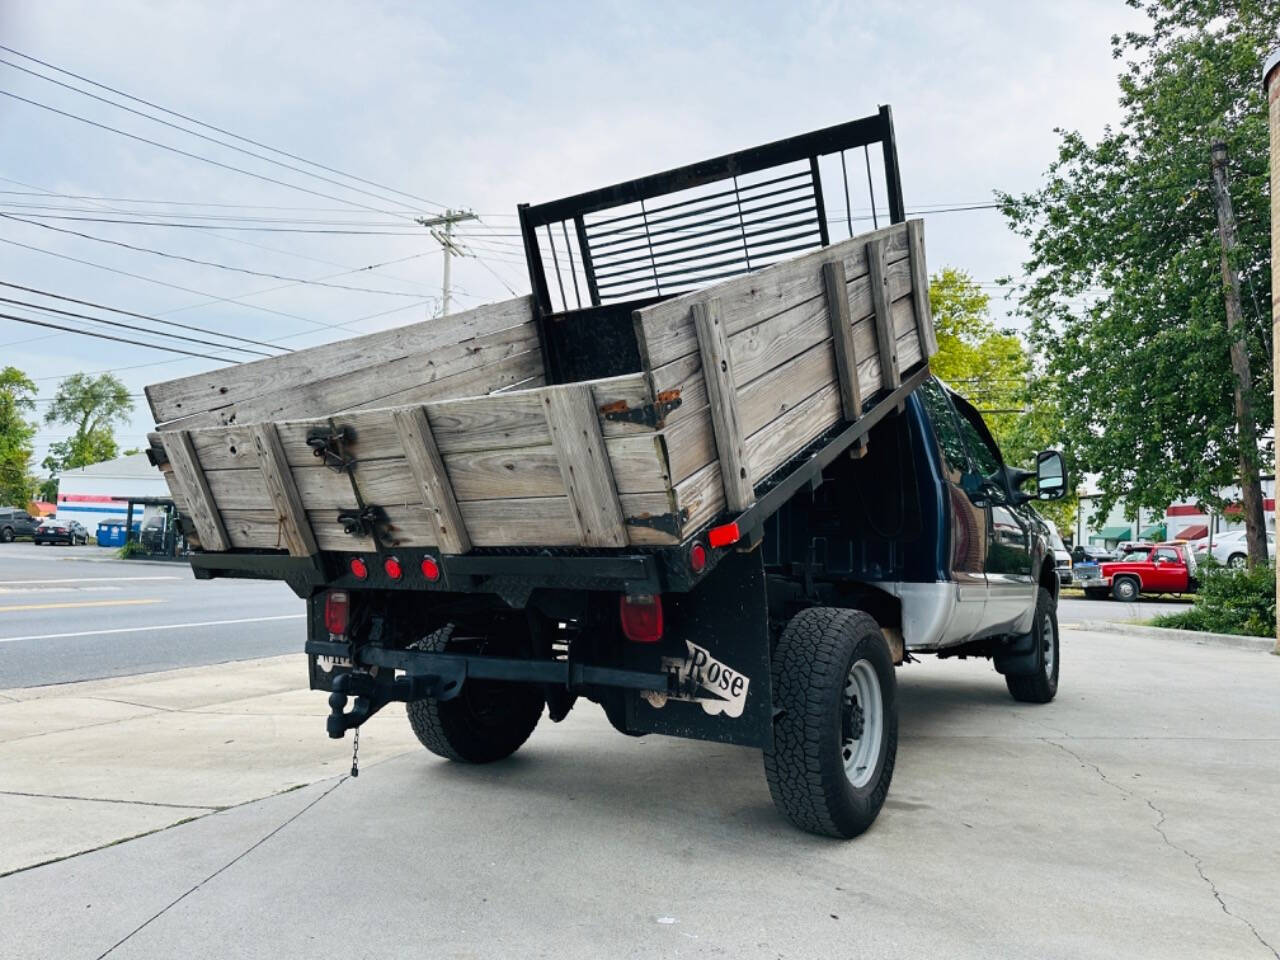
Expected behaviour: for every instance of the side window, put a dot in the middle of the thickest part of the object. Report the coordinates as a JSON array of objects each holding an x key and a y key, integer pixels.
[
  {"x": 945, "y": 428},
  {"x": 1166, "y": 553},
  {"x": 985, "y": 457}
]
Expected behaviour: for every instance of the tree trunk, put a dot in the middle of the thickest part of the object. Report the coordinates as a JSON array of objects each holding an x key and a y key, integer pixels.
[{"x": 1255, "y": 524}]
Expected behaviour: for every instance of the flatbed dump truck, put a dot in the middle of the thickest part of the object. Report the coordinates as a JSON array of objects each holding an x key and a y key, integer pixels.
[{"x": 718, "y": 493}]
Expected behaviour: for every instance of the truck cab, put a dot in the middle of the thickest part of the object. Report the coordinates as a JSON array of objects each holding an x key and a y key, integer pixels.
[{"x": 1144, "y": 568}]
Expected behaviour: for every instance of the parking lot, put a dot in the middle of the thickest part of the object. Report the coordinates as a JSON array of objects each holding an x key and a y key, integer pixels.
[{"x": 1131, "y": 817}]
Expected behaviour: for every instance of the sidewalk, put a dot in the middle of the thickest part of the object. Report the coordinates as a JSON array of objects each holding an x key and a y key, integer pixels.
[{"x": 84, "y": 765}]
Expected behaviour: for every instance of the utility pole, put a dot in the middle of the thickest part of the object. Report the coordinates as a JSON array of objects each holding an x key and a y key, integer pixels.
[
  {"x": 1255, "y": 524},
  {"x": 1271, "y": 85},
  {"x": 445, "y": 239}
]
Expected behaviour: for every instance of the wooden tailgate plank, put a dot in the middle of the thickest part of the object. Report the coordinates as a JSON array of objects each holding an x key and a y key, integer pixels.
[
  {"x": 199, "y": 501},
  {"x": 722, "y": 395},
  {"x": 584, "y": 464},
  {"x": 291, "y": 515},
  {"x": 424, "y": 460}
]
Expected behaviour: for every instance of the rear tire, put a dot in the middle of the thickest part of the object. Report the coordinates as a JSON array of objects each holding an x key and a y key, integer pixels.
[
  {"x": 1041, "y": 686},
  {"x": 835, "y": 741},
  {"x": 1237, "y": 561},
  {"x": 1126, "y": 589},
  {"x": 487, "y": 721},
  {"x": 6, "y": 535}
]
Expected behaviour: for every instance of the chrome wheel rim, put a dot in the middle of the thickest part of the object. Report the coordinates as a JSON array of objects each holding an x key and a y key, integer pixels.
[
  {"x": 862, "y": 723},
  {"x": 1049, "y": 643},
  {"x": 1236, "y": 563}
]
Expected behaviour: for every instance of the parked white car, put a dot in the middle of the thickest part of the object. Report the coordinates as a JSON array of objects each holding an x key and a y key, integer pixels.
[{"x": 1229, "y": 548}]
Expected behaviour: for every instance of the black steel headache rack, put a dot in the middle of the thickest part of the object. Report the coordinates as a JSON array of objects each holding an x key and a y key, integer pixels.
[{"x": 628, "y": 245}]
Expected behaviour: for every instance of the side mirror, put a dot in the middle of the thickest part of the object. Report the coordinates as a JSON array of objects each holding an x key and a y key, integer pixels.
[{"x": 1051, "y": 475}]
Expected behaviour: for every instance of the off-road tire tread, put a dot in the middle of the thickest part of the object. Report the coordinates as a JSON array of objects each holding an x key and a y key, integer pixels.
[
  {"x": 1036, "y": 687},
  {"x": 442, "y": 727},
  {"x": 810, "y": 667}
]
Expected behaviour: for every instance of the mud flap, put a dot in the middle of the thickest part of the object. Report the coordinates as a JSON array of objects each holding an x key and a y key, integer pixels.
[{"x": 717, "y": 638}]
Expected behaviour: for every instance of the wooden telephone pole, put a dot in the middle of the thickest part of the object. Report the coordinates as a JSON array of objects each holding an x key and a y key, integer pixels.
[
  {"x": 449, "y": 246},
  {"x": 1255, "y": 523},
  {"x": 1271, "y": 84}
]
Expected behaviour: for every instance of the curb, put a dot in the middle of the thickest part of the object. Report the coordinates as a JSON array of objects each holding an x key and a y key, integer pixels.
[{"x": 1234, "y": 641}]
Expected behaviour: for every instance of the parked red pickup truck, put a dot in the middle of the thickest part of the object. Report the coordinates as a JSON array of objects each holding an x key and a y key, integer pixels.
[{"x": 1143, "y": 568}]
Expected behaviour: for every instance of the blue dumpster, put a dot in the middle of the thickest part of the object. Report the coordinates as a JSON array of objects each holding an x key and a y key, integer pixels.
[{"x": 111, "y": 533}]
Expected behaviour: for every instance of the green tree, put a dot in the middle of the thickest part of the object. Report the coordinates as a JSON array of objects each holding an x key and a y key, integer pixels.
[
  {"x": 1125, "y": 291},
  {"x": 992, "y": 369},
  {"x": 92, "y": 407},
  {"x": 17, "y": 398}
]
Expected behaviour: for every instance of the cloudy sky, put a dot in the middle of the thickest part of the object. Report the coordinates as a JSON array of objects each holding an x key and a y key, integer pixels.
[{"x": 477, "y": 105}]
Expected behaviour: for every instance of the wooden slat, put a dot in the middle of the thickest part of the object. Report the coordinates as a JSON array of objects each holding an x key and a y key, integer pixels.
[
  {"x": 920, "y": 288},
  {"x": 880, "y": 296},
  {"x": 842, "y": 339},
  {"x": 424, "y": 460},
  {"x": 470, "y": 368},
  {"x": 199, "y": 503},
  {"x": 290, "y": 512},
  {"x": 663, "y": 330},
  {"x": 584, "y": 465},
  {"x": 717, "y": 369},
  {"x": 228, "y": 385}
]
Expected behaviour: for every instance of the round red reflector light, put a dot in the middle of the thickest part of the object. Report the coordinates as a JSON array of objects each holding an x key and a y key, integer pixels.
[
  {"x": 359, "y": 569},
  {"x": 698, "y": 558},
  {"x": 392, "y": 566},
  {"x": 431, "y": 569}
]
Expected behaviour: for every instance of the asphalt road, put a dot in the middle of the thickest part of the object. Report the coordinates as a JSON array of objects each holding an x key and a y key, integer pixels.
[{"x": 78, "y": 613}]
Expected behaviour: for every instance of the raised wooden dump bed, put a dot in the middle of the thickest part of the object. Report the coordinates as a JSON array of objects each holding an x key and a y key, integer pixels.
[{"x": 444, "y": 433}]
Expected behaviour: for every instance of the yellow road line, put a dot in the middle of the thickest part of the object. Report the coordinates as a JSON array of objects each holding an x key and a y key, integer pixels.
[{"x": 80, "y": 603}]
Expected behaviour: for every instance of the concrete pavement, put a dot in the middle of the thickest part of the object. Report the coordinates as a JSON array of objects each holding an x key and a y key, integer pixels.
[{"x": 1133, "y": 817}]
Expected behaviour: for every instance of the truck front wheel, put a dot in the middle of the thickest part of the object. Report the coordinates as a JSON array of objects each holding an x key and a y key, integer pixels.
[
  {"x": 488, "y": 719},
  {"x": 1041, "y": 685},
  {"x": 835, "y": 739}
]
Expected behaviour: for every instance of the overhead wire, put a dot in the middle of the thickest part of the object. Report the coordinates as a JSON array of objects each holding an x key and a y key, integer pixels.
[
  {"x": 130, "y": 313},
  {"x": 107, "y": 336},
  {"x": 209, "y": 126},
  {"x": 206, "y": 263}
]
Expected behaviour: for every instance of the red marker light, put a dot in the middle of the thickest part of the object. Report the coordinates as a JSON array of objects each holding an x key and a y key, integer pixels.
[
  {"x": 392, "y": 566},
  {"x": 724, "y": 535},
  {"x": 337, "y": 609},
  {"x": 642, "y": 618},
  {"x": 431, "y": 568},
  {"x": 358, "y": 569},
  {"x": 698, "y": 558}
]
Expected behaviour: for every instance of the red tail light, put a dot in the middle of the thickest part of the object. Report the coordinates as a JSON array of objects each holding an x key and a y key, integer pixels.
[
  {"x": 337, "y": 612},
  {"x": 724, "y": 535},
  {"x": 392, "y": 566},
  {"x": 359, "y": 569},
  {"x": 431, "y": 568},
  {"x": 697, "y": 558},
  {"x": 642, "y": 618}
]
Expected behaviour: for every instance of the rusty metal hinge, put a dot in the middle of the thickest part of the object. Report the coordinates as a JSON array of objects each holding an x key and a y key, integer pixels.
[
  {"x": 330, "y": 445},
  {"x": 649, "y": 414}
]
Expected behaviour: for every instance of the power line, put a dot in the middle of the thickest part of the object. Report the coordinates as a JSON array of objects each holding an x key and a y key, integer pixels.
[
  {"x": 162, "y": 283},
  {"x": 140, "y": 316},
  {"x": 107, "y": 336},
  {"x": 206, "y": 263},
  {"x": 209, "y": 126},
  {"x": 187, "y": 153},
  {"x": 389, "y": 230}
]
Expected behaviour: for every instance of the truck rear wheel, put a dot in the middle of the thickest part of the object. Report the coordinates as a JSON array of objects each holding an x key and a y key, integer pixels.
[
  {"x": 1041, "y": 685},
  {"x": 835, "y": 740},
  {"x": 488, "y": 719}
]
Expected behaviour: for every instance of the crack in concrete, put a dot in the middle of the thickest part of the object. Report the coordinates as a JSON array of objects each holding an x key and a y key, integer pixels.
[
  {"x": 1158, "y": 826},
  {"x": 141, "y": 803},
  {"x": 226, "y": 866}
]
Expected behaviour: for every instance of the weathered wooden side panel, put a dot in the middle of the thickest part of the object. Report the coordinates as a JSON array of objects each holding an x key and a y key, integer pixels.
[
  {"x": 842, "y": 322},
  {"x": 453, "y": 435},
  {"x": 202, "y": 392}
]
